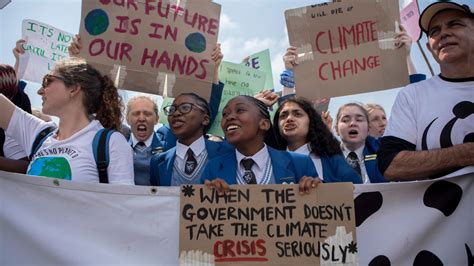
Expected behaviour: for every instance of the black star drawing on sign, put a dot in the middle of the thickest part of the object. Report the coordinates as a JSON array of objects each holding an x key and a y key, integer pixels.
[
  {"x": 188, "y": 190},
  {"x": 352, "y": 247}
]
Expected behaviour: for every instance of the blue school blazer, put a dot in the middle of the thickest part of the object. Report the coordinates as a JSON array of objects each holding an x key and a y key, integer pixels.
[
  {"x": 336, "y": 169},
  {"x": 161, "y": 165},
  {"x": 169, "y": 139},
  {"x": 370, "y": 160},
  {"x": 288, "y": 167}
]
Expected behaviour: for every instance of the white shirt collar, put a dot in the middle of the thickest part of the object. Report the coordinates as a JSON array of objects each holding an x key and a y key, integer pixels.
[
  {"x": 260, "y": 158},
  {"x": 304, "y": 149},
  {"x": 147, "y": 142},
  {"x": 197, "y": 147},
  {"x": 359, "y": 152}
]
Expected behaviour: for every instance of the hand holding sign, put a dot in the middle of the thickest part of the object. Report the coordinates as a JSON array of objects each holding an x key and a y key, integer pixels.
[
  {"x": 75, "y": 46},
  {"x": 290, "y": 58},
  {"x": 404, "y": 40}
]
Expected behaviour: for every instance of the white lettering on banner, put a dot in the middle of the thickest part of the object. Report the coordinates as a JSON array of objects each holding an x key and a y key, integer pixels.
[{"x": 48, "y": 221}]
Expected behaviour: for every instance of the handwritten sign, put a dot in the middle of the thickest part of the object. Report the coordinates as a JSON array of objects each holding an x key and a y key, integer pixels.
[
  {"x": 44, "y": 46},
  {"x": 262, "y": 62},
  {"x": 238, "y": 80},
  {"x": 409, "y": 17},
  {"x": 145, "y": 44},
  {"x": 269, "y": 224},
  {"x": 346, "y": 47}
]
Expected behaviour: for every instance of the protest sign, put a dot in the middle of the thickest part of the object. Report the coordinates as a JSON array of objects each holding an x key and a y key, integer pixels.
[
  {"x": 346, "y": 47},
  {"x": 262, "y": 62},
  {"x": 238, "y": 80},
  {"x": 140, "y": 44},
  {"x": 409, "y": 17},
  {"x": 44, "y": 46},
  {"x": 268, "y": 224}
]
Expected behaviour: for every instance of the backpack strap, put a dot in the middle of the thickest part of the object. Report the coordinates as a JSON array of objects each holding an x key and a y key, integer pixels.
[
  {"x": 40, "y": 138},
  {"x": 100, "y": 147},
  {"x": 2, "y": 141}
]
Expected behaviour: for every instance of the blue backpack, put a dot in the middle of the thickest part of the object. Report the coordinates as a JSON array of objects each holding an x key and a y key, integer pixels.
[{"x": 100, "y": 147}]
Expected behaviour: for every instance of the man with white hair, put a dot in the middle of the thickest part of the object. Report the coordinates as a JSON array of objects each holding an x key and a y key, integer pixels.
[{"x": 431, "y": 128}]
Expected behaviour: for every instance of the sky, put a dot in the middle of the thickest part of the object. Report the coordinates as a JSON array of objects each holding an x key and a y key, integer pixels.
[{"x": 246, "y": 27}]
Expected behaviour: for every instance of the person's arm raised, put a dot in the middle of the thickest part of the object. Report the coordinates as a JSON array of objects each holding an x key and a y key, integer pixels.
[{"x": 6, "y": 111}]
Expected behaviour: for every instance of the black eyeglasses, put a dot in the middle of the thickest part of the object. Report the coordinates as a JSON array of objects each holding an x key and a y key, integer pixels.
[
  {"x": 183, "y": 108},
  {"x": 48, "y": 79}
]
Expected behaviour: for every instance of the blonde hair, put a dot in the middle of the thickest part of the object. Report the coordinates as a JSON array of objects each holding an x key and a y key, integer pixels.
[
  {"x": 143, "y": 97},
  {"x": 370, "y": 107}
]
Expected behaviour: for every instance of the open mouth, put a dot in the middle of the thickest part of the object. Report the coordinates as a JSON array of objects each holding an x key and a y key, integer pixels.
[
  {"x": 177, "y": 123},
  {"x": 141, "y": 128},
  {"x": 231, "y": 128},
  {"x": 353, "y": 133}
]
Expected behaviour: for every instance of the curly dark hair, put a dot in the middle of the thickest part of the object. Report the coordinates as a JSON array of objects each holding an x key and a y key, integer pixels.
[
  {"x": 100, "y": 94},
  {"x": 322, "y": 141}
]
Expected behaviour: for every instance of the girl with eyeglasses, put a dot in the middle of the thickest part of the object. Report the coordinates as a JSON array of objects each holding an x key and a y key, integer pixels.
[
  {"x": 245, "y": 123},
  {"x": 85, "y": 102},
  {"x": 189, "y": 120}
]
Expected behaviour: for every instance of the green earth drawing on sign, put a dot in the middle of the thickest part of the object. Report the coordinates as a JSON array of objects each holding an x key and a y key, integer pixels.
[
  {"x": 56, "y": 167},
  {"x": 96, "y": 22}
]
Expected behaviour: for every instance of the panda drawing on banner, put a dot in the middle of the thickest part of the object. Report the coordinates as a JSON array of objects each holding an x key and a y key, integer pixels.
[{"x": 417, "y": 223}]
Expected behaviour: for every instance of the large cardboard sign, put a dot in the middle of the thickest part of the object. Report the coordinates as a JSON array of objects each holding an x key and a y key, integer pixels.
[
  {"x": 142, "y": 44},
  {"x": 238, "y": 80},
  {"x": 346, "y": 48},
  {"x": 44, "y": 46},
  {"x": 263, "y": 62},
  {"x": 268, "y": 224},
  {"x": 409, "y": 17}
]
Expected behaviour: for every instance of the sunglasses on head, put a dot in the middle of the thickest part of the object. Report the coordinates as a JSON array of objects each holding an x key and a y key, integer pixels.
[{"x": 48, "y": 79}]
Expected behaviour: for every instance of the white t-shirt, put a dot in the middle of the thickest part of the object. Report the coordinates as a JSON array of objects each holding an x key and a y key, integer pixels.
[
  {"x": 12, "y": 149},
  {"x": 433, "y": 113},
  {"x": 72, "y": 158}
]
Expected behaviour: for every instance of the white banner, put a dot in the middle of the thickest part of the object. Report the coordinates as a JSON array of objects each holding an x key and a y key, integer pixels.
[
  {"x": 53, "y": 222},
  {"x": 44, "y": 46}
]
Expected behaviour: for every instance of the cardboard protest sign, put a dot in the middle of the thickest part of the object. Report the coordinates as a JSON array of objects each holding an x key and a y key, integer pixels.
[
  {"x": 409, "y": 17},
  {"x": 346, "y": 47},
  {"x": 44, "y": 46},
  {"x": 262, "y": 62},
  {"x": 142, "y": 43},
  {"x": 268, "y": 224},
  {"x": 238, "y": 80}
]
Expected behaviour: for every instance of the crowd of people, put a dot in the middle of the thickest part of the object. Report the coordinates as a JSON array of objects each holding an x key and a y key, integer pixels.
[{"x": 430, "y": 131}]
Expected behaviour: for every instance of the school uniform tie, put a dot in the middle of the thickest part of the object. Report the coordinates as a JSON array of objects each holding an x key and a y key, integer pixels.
[
  {"x": 140, "y": 146},
  {"x": 249, "y": 175},
  {"x": 353, "y": 161},
  {"x": 191, "y": 162}
]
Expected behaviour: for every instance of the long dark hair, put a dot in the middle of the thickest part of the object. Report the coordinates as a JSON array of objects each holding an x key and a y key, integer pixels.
[{"x": 322, "y": 141}]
